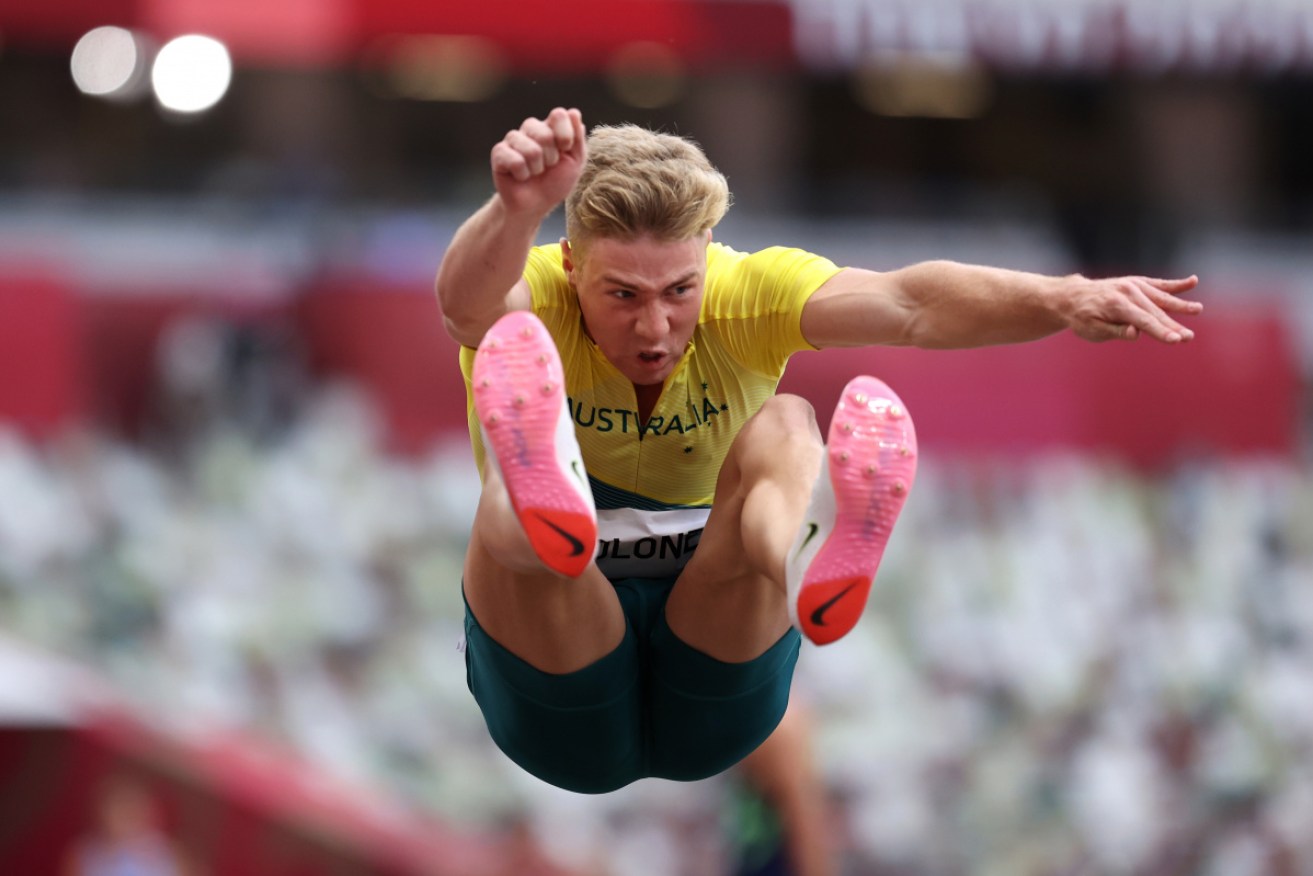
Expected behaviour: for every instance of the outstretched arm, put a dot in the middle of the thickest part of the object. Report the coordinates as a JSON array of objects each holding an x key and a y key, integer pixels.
[
  {"x": 949, "y": 305},
  {"x": 533, "y": 169}
]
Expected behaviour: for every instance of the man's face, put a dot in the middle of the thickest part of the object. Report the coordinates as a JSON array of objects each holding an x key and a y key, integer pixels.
[{"x": 640, "y": 300}]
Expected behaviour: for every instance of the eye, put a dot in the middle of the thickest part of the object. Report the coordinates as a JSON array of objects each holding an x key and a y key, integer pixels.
[{"x": 621, "y": 293}]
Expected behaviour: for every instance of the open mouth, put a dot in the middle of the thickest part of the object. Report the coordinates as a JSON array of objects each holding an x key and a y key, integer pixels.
[{"x": 651, "y": 358}]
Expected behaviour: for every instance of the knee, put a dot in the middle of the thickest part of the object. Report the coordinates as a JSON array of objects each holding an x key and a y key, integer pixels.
[
  {"x": 782, "y": 436},
  {"x": 787, "y": 417},
  {"x": 783, "y": 432}
]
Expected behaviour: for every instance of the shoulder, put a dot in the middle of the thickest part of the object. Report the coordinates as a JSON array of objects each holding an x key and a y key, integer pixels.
[
  {"x": 778, "y": 262},
  {"x": 544, "y": 263},
  {"x": 721, "y": 257},
  {"x": 546, "y": 278},
  {"x": 775, "y": 280}
]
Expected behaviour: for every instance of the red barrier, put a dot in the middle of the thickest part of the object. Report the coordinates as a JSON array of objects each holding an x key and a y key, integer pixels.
[
  {"x": 120, "y": 344},
  {"x": 392, "y": 341},
  {"x": 41, "y": 367},
  {"x": 228, "y": 806},
  {"x": 1234, "y": 389},
  {"x": 564, "y": 36}
]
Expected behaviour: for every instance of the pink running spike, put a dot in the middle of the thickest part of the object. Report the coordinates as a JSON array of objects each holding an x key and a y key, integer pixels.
[
  {"x": 530, "y": 436},
  {"x": 853, "y": 510}
]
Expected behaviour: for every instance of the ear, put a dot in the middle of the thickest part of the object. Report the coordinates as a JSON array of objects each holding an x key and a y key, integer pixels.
[{"x": 567, "y": 262}]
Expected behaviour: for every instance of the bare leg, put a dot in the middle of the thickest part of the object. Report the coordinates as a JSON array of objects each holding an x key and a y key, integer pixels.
[
  {"x": 729, "y": 602},
  {"x": 551, "y": 607},
  {"x": 783, "y": 770},
  {"x": 554, "y": 623}
]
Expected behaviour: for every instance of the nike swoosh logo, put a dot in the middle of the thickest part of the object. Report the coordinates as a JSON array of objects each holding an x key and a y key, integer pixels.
[
  {"x": 576, "y": 546},
  {"x": 812, "y": 529},
  {"x": 818, "y": 614}
]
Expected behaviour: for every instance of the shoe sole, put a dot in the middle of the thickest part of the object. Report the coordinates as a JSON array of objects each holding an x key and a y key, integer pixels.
[
  {"x": 870, "y": 465},
  {"x": 519, "y": 398}
]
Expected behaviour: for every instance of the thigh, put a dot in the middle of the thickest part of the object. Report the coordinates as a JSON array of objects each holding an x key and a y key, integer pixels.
[
  {"x": 555, "y": 624},
  {"x": 729, "y": 602},
  {"x": 582, "y": 731}
]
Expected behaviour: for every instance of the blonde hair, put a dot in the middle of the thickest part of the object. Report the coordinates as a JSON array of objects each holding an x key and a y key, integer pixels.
[{"x": 638, "y": 182}]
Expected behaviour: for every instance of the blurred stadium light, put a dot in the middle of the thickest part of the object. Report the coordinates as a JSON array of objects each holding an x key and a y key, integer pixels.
[
  {"x": 191, "y": 73},
  {"x": 110, "y": 62},
  {"x": 647, "y": 75},
  {"x": 943, "y": 87},
  {"x": 438, "y": 67}
]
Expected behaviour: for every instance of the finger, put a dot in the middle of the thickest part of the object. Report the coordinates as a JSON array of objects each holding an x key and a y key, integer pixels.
[
  {"x": 1175, "y": 286},
  {"x": 542, "y": 133},
  {"x": 529, "y": 148},
  {"x": 507, "y": 160},
  {"x": 1170, "y": 302},
  {"x": 1145, "y": 316},
  {"x": 1156, "y": 304},
  {"x": 579, "y": 147},
  {"x": 562, "y": 128},
  {"x": 1165, "y": 293}
]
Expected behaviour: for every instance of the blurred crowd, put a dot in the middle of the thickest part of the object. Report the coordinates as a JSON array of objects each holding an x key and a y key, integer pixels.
[
  {"x": 1074, "y": 668},
  {"x": 1067, "y": 666}
]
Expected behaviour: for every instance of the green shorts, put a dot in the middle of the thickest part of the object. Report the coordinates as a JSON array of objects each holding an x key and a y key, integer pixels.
[{"x": 653, "y": 707}]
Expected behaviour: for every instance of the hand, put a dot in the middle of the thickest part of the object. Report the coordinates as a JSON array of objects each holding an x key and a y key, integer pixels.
[
  {"x": 536, "y": 165},
  {"x": 1126, "y": 307}
]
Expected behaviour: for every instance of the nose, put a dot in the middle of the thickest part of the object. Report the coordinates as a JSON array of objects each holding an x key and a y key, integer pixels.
[{"x": 652, "y": 323}]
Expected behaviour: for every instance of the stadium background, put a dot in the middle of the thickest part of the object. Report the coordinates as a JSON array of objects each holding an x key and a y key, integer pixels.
[{"x": 234, "y": 486}]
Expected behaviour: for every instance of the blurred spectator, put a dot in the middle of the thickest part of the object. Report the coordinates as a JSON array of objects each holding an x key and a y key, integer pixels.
[
  {"x": 126, "y": 838},
  {"x": 524, "y": 854},
  {"x": 216, "y": 375},
  {"x": 1069, "y": 667},
  {"x": 782, "y": 823}
]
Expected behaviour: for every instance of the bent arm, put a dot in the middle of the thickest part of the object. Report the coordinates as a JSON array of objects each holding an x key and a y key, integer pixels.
[
  {"x": 481, "y": 275},
  {"x": 944, "y": 305}
]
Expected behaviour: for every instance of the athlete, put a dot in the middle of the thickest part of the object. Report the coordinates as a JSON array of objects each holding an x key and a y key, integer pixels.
[
  {"x": 657, "y": 526},
  {"x": 781, "y": 825}
]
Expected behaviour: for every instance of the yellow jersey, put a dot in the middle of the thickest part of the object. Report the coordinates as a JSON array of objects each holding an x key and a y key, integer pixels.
[{"x": 653, "y": 482}]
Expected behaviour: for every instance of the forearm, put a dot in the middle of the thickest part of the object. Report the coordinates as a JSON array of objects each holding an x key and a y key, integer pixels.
[
  {"x": 952, "y": 305},
  {"x": 485, "y": 259}
]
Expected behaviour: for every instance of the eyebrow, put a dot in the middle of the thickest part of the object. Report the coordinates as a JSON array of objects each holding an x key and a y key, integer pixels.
[{"x": 678, "y": 281}]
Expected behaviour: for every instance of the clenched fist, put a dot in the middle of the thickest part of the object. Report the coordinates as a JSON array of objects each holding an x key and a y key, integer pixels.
[{"x": 535, "y": 166}]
